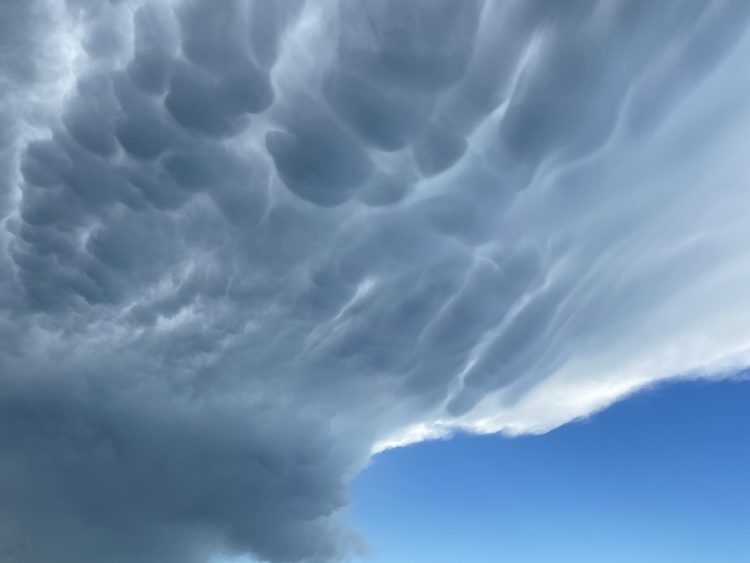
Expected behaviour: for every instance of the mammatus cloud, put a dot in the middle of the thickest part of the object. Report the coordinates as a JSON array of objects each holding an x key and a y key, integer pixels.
[{"x": 246, "y": 243}]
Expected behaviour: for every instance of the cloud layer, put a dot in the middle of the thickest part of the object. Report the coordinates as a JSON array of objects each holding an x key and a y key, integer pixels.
[{"x": 246, "y": 243}]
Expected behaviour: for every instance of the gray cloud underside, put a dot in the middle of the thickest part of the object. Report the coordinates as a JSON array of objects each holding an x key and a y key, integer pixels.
[{"x": 246, "y": 243}]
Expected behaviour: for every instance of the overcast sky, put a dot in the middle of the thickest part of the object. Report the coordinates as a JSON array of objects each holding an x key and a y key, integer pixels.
[{"x": 247, "y": 244}]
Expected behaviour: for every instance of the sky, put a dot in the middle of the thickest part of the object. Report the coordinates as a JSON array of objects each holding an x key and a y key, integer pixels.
[
  {"x": 661, "y": 476},
  {"x": 252, "y": 252}
]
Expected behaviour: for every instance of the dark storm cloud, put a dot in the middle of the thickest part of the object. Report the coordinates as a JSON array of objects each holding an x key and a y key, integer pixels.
[
  {"x": 159, "y": 478},
  {"x": 247, "y": 243}
]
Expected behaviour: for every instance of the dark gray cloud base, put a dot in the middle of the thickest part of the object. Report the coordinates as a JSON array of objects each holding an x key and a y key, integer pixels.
[{"x": 245, "y": 244}]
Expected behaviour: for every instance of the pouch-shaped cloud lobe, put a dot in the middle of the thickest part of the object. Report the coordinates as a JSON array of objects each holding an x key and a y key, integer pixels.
[{"x": 245, "y": 244}]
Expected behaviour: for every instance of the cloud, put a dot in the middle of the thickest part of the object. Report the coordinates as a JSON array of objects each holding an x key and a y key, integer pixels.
[{"x": 247, "y": 244}]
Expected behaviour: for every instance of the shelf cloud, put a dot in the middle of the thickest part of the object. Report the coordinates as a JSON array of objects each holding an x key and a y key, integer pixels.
[{"x": 245, "y": 245}]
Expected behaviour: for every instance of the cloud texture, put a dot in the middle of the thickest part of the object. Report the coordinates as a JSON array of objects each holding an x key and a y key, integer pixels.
[{"x": 245, "y": 244}]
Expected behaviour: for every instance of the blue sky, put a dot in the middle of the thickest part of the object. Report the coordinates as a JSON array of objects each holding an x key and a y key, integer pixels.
[{"x": 661, "y": 476}]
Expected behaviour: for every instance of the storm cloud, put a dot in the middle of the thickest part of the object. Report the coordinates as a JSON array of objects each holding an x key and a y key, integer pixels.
[{"x": 247, "y": 244}]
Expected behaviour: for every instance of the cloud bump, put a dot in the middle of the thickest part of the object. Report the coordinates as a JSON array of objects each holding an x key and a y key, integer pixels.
[{"x": 245, "y": 244}]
